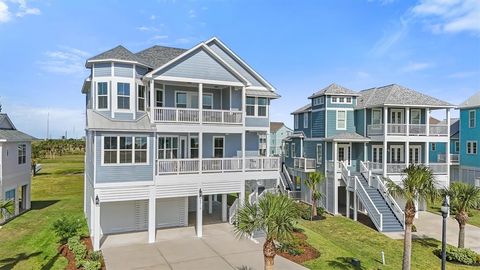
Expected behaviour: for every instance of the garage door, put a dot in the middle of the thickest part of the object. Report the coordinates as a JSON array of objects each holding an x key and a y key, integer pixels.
[
  {"x": 172, "y": 212},
  {"x": 125, "y": 216}
]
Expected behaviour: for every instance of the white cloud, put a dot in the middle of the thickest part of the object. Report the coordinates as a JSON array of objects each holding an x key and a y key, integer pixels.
[
  {"x": 192, "y": 13},
  {"x": 463, "y": 74},
  {"x": 362, "y": 74},
  {"x": 153, "y": 17},
  {"x": 390, "y": 39},
  {"x": 4, "y": 12},
  {"x": 146, "y": 28},
  {"x": 157, "y": 37},
  {"x": 65, "y": 61},
  {"x": 449, "y": 16},
  {"x": 182, "y": 40},
  {"x": 417, "y": 66}
]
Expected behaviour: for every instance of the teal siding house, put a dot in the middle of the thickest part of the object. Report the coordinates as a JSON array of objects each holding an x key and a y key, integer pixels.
[{"x": 357, "y": 139}]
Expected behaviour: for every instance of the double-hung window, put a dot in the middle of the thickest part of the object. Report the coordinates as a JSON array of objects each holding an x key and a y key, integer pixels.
[
  {"x": 250, "y": 106},
  {"x": 376, "y": 116},
  {"x": 472, "y": 117},
  {"x": 22, "y": 153},
  {"x": 415, "y": 118},
  {"x": 341, "y": 120},
  {"x": 181, "y": 99},
  {"x": 123, "y": 96},
  {"x": 262, "y": 106},
  {"x": 140, "y": 149},
  {"x": 125, "y": 150},
  {"x": 167, "y": 147},
  {"x": 218, "y": 147},
  {"x": 207, "y": 101},
  {"x": 102, "y": 95},
  {"x": 295, "y": 119},
  {"x": 159, "y": 98},
  {"x": 472, "y": 147},
  {"x": 141, "y": 98},
  {"x": 110, "y": 150},
  {"x": 305, "y": 120},
  {"x": 292, "y": 149},
  {"x": 194, "y": 147},
  {"x": 319, "y": 153}
]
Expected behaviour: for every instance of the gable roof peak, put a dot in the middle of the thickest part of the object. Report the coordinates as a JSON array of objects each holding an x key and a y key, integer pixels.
[
  {"x": 334, "y": 89},
  {"x": 473, "y": 101}
]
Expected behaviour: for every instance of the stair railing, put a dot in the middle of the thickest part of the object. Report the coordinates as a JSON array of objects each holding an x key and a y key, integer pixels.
[
  {"x": 232, "y": 211},
  {"x": 367, "y": 202},
  {"x": 397, "y": 210},
  {"x": 287, "y": 176},
  {"x": 345, "y": 172},
  {"x": 366, "y": 172}
]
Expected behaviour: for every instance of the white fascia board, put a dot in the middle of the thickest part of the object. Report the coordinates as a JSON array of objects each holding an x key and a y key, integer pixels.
[
  {"x": 245, "y": 65},
  {"x": 191, "y": 80},
  {"x": 414, "y": 106},
  {"x": 117, "y": 61}
]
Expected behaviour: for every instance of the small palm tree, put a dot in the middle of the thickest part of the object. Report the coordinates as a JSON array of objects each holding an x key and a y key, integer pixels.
[
  {"x": 276, "y": 215},
  {"x": 312, "y": 182},
  {"x": 6, "y": 207},
  {"x": 463, "y": 197},
  {"x": 418, "y": 184}
]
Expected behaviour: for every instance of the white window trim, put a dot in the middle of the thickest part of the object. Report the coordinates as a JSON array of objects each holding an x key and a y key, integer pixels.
[
  {"x": 344, "y": 100},
  {"x": 213, "y": 146},
  {"x": 319, "y": 157},
  {"x": 189, "y": 146},
  {"x": 255, "y": 106},
  {"x": 402, "y": 153},
  {"x": 419, "y": 116},
  {"x": 164, "y": 138},
  {"x": 130, "y": 96},
  {"x": 349, "y": 152},
  {"x": 118, "y": 151},
  {"x": 163, "y": 97},
  {"x": 379, "y": 148},
  {"x": 338, "y": 128},
  {"x": 471, "y": 147},
  {"x": 292, "y": 150},
  {"x": 305, "y": 120},
  {"x": 318, "y": 101},
  {"x": 207, "y": 94},
  {"x": 96, "y": 95},
  {"x": 144, "y": 98},
  {"x": 186, "y": 100},
  {"x": 23, "y": 145},
  {"x": 474, "y": 118},
  {"x": 295, "y": 119},
  {"x": 457, "y": 146},
  {"x": 381, "y": 116}
]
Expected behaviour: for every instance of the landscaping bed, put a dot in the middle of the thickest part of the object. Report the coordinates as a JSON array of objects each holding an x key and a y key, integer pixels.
[
  {"x": 70, "y": 255},
  {"x": 298, "y": 250}
]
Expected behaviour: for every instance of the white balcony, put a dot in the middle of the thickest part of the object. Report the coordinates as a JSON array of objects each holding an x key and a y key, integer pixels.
[
  {"x": 413, "y": 130},
  {"x": 216, "y": 165},
  {"x": 189, "y": 115},
  {"x": 305, "y": 164},
  {"x": 454, "y": 158}
]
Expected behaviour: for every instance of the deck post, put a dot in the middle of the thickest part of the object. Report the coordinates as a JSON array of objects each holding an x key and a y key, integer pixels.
[
  {"x": 224, "y": 207},
  {"x": 348, "y": 202},
  {"x": 199, "y": 214},
  {"x": 355, "y": 202},
  {"x": 96, "y": 225},
  {"x": 152, "y": 215},
  {"x": 447, "y": 151},
  {"x": 152, "y": 101},
  {"x": 200, "y": 103},
  {"x": 385, "y": 134},
  {"x": 210, "y": 204},
  {"x": 335, "y": 185}
]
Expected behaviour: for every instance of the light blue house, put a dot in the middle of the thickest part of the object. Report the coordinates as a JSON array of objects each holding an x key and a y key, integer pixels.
[
  {"x": 469, "y": 170},
  {"x": 168, "y": 128},
  {"x": 357, "y": 139}
]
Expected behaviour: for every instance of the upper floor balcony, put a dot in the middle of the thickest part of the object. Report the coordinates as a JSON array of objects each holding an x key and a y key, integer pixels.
[
  {"x": 408, "y": 130},
  {"x": 304, "y": 164},
  {"x": 192, "y": 116}
]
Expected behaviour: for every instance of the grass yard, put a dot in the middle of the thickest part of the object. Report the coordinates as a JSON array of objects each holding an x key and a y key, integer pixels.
[
  {"x": 474, "y": 215},
  {"x": 28, "y": 242},
  {"x": 339, "y": 239}
]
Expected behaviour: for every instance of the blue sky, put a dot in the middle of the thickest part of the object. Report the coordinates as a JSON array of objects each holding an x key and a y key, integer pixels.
[{"x": 299, "y": 46}]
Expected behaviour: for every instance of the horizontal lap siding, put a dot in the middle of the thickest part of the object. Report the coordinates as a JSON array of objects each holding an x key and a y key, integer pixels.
[
  {"x": 440, "y": 148},
  {"x": 318, "y": 123},
  {"x": 123, "y": 116},
  {"x": 199, "y": 65},
  {"x": 232, "y": 144},
  {"x": 359, "y": 121},
  {"x": 123, "y": 70},
  {"x": 102, "y": 70},
  {"x": 332, "y": 123},
  {"x": 469, "y": 134},
  {"x": 257, "y": 121}
]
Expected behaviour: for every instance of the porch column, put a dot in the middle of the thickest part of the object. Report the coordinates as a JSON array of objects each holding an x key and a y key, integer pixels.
[
  {"x": 301, "y": 147},
  {"x": 96, "y": 225},
  {"x": 427, "y": 121},
  {"x": 447, "y": 151},
  {"x": 210, "y": 204},
  {"x": 199, "y": 213},
  {"x": 242, "y": 187},
  {"x": 224, "y": 207},
  {"x": 407, "y": 120},
  {"x": 348, "y": 202},
  {"x": 200, "y": 152},
  {"x": 355, "y": 206},
  {"x": 244, "y": 107},
  {"x": 407, "y": 152},
  {"x": 267, "y": 139},
  {"x": 200, "y": 103},
  {"x": 16, "y": 207},
  {"x": 215, "y": 198},
  {"x": 365, "y": 152},
  {"x": 335, "y": 181},
  {"x": 152, "y": 215},
  {"x": 152, "y": 101},
  {"x": 385, "y": 134},
  {"x": 427, "y": 153}
]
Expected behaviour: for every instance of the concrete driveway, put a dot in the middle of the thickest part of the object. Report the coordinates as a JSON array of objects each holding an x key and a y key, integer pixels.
[{"x": 179, "y": 248}]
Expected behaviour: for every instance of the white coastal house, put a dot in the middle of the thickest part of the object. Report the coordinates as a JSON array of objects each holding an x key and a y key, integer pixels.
[
  {"x": 15, "y": 167},
  {"x": 278, "y": 132},
  {"x": 167, "y": 128}
]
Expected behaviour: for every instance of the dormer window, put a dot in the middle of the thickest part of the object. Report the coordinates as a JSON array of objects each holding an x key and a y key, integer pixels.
[
  {"x": 123, "y": 96},
  {"x": 317, "y": 101},
  {"x": 342, "y": 100}
]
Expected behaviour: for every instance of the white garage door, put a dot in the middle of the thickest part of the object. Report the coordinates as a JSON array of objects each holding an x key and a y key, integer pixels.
[
  {"x": 172, "y": 212},
  {"x": 125, "y": 216}
]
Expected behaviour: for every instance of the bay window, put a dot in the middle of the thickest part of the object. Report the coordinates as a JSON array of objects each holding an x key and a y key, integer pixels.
[
  {"x": 250, "y": 106},
  {"x": 141, "y": 98},
  {"x": 262, "y": 106},
  {"x": 102, "y": 95},
  {"x": 123, "y": 96}
]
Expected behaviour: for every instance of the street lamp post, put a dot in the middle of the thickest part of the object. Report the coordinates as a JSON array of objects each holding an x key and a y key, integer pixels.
[{"x": 445, "y": 210}]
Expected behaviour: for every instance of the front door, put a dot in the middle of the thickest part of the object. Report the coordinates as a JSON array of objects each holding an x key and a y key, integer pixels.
[
  {"x": 183, "y": 147},
  {"x": 415, "y": 154},
  {"x": 396, "y": 154},
  {"x": 377, "y": 154},
  {"x": 396, "y": 119},
  {"x": 344, "y": 153}
]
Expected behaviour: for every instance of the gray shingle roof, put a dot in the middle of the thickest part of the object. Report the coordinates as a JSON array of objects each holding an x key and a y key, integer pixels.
[
  {"x": 334, "y": 89},
  {"x": 303, "y": 109},
  {"x": 157, "y": 56},
  {"x": 9, "y": 133},
  {"x": 347, "y": 136},
  {"x": 395, "y": 94},
  {"x": 473, "y": 101},
  {"x": 120, "y": 53},
  {"x": 262, "y": 93}
]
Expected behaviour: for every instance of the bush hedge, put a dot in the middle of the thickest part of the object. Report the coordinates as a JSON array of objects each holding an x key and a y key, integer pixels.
[{"x": 460, "y": 255}]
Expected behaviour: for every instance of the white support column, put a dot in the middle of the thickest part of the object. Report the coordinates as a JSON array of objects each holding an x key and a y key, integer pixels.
[
  {"x": 335, "y": 180},
  {"x": 301, "y": 147},
  {"x": 365, "y": 152},
  {"x": 96, "y": 227},
  {"x": 427, "y": 121},
  {"x": 224, "y": 207},
  {"x": 242, "y": 187},
  {"x": 152, "y": 101},
  {"x": 215, "y": 198},
  {"x": 243, "y": 151},
  {"x": 267, "y": 139},
  {"x": 348, "y": 203},
  {"x": 199, "y": 214},
  {"x": 407, "y": 152},
  {"x": 16, "y": 207},
  {"x": 447, "y": 151},
  {"x": 244, "y": 107},
  {"x": 385, "y": 144},
  {"x": 210, "y": 204},
  {"x": 407, "y": 121},
  {"x": 152, "y": 215},
  {"x": 355, "y": 202},
  {"x": 427, "y": 153},
  {"x": 200, "y": 152},
  {"x": 200, "y": 102}
]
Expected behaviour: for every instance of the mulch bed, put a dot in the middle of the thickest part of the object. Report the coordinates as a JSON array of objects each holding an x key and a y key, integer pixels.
[
  {"x": 68, "y": 254},
  {"x": 309, "y": 253}
]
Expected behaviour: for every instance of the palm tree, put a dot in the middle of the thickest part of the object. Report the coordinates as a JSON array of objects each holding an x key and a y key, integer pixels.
[
  {"x": 418, "y": 184},
  {"x": 312, "y": 182},
  {"x": 276, "y": 215},
  {"x": 6, "y": 207},
  {"x": 463, "y": 197}
]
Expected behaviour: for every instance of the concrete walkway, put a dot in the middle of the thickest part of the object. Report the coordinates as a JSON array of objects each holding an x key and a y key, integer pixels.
[
  {"x": 429, "y": 225},
  {"x": 179, "y": 248}
]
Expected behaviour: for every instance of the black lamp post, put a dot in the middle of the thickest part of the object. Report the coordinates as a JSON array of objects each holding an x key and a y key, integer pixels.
[{"x": 445, "y": 210}]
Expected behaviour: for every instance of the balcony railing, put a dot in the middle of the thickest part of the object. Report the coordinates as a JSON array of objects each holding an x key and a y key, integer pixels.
[
  {"x": 216, "y": 165},
  {"x": 306, "y": 164},
  {"x": 188, "y": 115},
  {"x": 413, "y": 130},
  {"x": 454, "y": 158}
]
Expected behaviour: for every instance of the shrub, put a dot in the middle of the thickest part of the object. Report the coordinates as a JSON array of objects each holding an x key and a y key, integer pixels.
[
  {"x": 91, "y": 265},
  {"x": 78, "y": 249},
  {"x": 459, "y": 255},
  {"x": 305, "y": 211},
  {"x": 66, "y": 227},
  {"x": 320, "y": 211},
  {"x": 292, "y": 248}
]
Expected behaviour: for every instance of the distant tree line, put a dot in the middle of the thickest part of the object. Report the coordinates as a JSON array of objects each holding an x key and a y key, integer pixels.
[{"x": 50, "y": 149}]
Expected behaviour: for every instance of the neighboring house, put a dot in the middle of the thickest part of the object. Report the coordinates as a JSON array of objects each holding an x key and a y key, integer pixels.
[
  {"x": 469, "y": 170},
  {"x": 358, "y": 138},
  {"x": 278, "y": 132},
  {"x": 168, "y": 127},
  {"x": 15, "y": 166}
]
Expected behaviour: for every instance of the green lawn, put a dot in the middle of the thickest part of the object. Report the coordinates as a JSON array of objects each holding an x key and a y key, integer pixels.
[
  {"x": 28, "y": 242},
  {"x": 474, "y": 215},
  {"x": 339, "y": 239}
]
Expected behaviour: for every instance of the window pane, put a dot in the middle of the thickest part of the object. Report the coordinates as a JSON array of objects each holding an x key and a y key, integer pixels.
[
  {"x": 102, "y": 102},
  {"x": 181, "y": 100},
  {"x": 123, "y": 89},
  {"x": 262, "y": 111},
  {"x": 125, "y": 156},
  {"x": 218, "y": 142},
  {"x": 161, "y": 143},
  {"x": 349, "y": 100},
  {"x": 110, "y": 157},
  {"x": 193, "y": 153},
  {"x": 110, "y": 142},
  {"x": 207, "y": 101},
  {"x": 250, "y": 100},
  {"x": 250, "y": 110},
  {"x": 125, "y": 142},
  {"x": 140, "y": 142},
  {"x": 262, "y": 101},
  {"x": 123, "y": 102},
  {"x": 102, "y": 88},
  {"x": 140, "y": 156}
]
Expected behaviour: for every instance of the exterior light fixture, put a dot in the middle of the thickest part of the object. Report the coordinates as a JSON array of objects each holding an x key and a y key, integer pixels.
[
  {"x": 97, "y": 200},
  {"x": 445, "y": 209}
]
